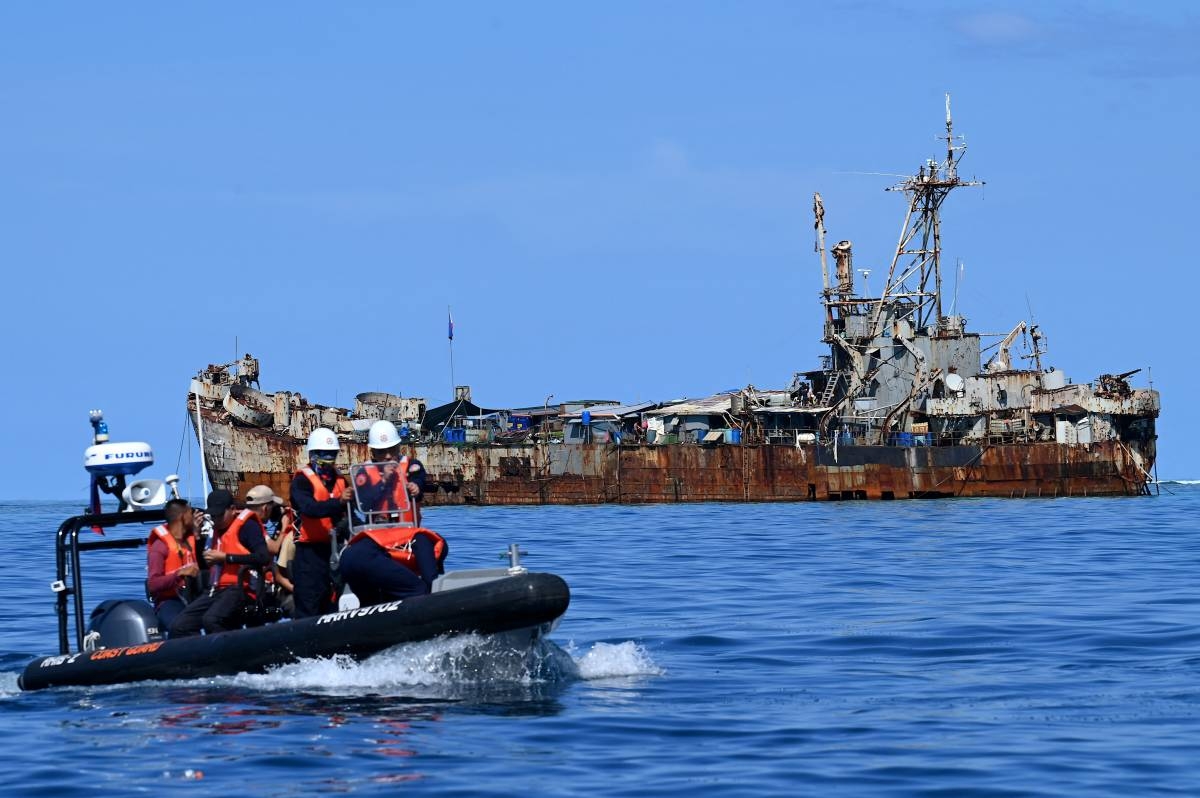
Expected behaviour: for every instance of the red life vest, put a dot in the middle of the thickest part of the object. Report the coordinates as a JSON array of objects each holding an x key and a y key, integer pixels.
[
  {"x": 398, "y": 503},
  {"x": 227, "y": 573},
  {"x": 318, "y": 530},
  {"x": 397, "y": 542},
  {"x": 178, "y": 555}
]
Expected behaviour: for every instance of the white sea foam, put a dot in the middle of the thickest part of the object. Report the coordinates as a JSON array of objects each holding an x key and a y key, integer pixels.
[
  {"x": 609, "y": 660},
  {"x": 465, "y": 662},
  {"x": 461, "y": 662},
  {"x": 8, "y": 684}
]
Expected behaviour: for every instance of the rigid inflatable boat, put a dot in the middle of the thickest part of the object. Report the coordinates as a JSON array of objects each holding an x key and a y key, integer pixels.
[{"x": 122, "y": 641}]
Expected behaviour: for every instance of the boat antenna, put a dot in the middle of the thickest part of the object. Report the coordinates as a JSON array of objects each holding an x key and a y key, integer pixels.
[
  {"x": 1036, "y": 337},
  {"x": 957, "y": 279},
  {"x": 450, "y": 336},
  {"x": 951, "y": 166},
  {"x": 866, "y": 275}
]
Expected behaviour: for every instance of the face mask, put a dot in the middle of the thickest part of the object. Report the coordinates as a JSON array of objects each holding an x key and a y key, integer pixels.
[{"x": 323, "y": 458}]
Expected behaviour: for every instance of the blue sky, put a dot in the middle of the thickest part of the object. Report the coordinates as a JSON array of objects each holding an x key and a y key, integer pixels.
[{"x": 614, "y": 199}]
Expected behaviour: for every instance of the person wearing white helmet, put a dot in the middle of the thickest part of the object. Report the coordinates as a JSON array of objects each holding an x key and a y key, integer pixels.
[
  {"x": 319, "y": 496},
  {"x": 395, "y": 559},
  {"x": 384, "y": 442}
]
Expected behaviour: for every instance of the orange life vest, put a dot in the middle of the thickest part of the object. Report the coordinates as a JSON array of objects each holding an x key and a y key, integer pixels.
[
  {"x": 397, "y": 542},
  {"x": 178, "y": 555},
  {"x": 227, "y": 573},
  {"x": 398, "y": 503},
  {"x": 318, "y": 530}
]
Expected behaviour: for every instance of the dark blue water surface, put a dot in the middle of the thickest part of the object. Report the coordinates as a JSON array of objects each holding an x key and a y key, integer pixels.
[{"x": 955, "y": 647}]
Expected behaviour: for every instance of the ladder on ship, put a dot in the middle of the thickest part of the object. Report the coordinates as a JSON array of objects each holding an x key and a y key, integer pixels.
[{"x": 830, "y": 387}]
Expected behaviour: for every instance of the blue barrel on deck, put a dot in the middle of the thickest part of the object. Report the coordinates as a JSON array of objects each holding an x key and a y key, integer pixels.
[{"x": 733, "y": 436}]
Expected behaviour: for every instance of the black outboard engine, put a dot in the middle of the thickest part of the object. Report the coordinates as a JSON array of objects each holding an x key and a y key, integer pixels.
[{"x": 116, "y": 623}]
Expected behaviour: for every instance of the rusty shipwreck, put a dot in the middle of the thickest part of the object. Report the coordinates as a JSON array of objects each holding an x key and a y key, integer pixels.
[{"x": 907, "y": 404}]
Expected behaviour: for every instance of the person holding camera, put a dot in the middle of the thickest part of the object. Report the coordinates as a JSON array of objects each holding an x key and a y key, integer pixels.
[
  {"x": 280, "y": 541},
  {"x": 393, "y": 557}
]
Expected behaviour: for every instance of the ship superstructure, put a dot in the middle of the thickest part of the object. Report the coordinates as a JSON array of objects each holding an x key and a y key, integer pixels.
[{"x": 902, "y": 370}]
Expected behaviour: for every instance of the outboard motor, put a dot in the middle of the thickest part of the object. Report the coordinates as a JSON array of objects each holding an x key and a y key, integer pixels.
[{"x": 116, "y": 623}]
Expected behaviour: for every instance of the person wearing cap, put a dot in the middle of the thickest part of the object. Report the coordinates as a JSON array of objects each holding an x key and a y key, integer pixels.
[
  {"x": 319, "y": 496},
  {"x": 171, "y": 567},
  {"x": 240, "y": 545},
  {"x": 271, "y": 508}
]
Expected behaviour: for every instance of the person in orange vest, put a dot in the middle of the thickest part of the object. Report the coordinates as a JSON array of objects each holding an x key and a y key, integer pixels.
[
  {"x": 171, "y": 567},
  {"x": 392, "y": 557},
  {"x": 319, "y": 496},
  {"x": 240, "y": 544},
  {"x": 383, "y": 441}
]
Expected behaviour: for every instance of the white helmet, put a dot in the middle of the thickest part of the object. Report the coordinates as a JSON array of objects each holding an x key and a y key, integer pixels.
[
  {"x": 383, "y": 435},
  {"x": 322, "y": 439}
]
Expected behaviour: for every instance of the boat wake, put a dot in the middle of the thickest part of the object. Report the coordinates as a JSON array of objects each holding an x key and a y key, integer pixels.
[
  {"x": 446, "y": 668},
  {"x": 455, "y": 666}
]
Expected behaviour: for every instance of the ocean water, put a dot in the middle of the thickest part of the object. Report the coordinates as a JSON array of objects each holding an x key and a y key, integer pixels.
[{"x": 954, "y": 647}]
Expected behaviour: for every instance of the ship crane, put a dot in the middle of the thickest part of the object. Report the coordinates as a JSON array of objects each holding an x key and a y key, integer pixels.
[{"x": 1001, "y": 361}]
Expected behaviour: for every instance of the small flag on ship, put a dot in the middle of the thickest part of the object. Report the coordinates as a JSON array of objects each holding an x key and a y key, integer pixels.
[{"x": 450, "y": 319}]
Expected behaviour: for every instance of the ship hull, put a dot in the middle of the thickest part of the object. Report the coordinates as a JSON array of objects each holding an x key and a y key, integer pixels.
[{"x": 597, "y": 473}]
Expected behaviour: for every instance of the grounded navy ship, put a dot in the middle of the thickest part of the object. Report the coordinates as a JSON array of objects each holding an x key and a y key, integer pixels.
[{"x": 904, "y": 406}]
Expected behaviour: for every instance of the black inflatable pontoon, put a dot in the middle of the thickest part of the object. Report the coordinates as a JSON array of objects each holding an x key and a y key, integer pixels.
[{"x": 123, "y": 643}]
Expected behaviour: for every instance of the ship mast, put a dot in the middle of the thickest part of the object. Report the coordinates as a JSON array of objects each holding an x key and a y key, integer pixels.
[
  {"x": 819, "y": 245},
  {"x": 915, "y": 287}
]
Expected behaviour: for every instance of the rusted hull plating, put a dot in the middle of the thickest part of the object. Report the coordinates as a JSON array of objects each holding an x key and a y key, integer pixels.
[{"x": 633, "y": 474}]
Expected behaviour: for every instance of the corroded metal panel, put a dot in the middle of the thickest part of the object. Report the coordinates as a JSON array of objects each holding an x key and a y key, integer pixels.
[{"x": 1140, "y": 402}]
